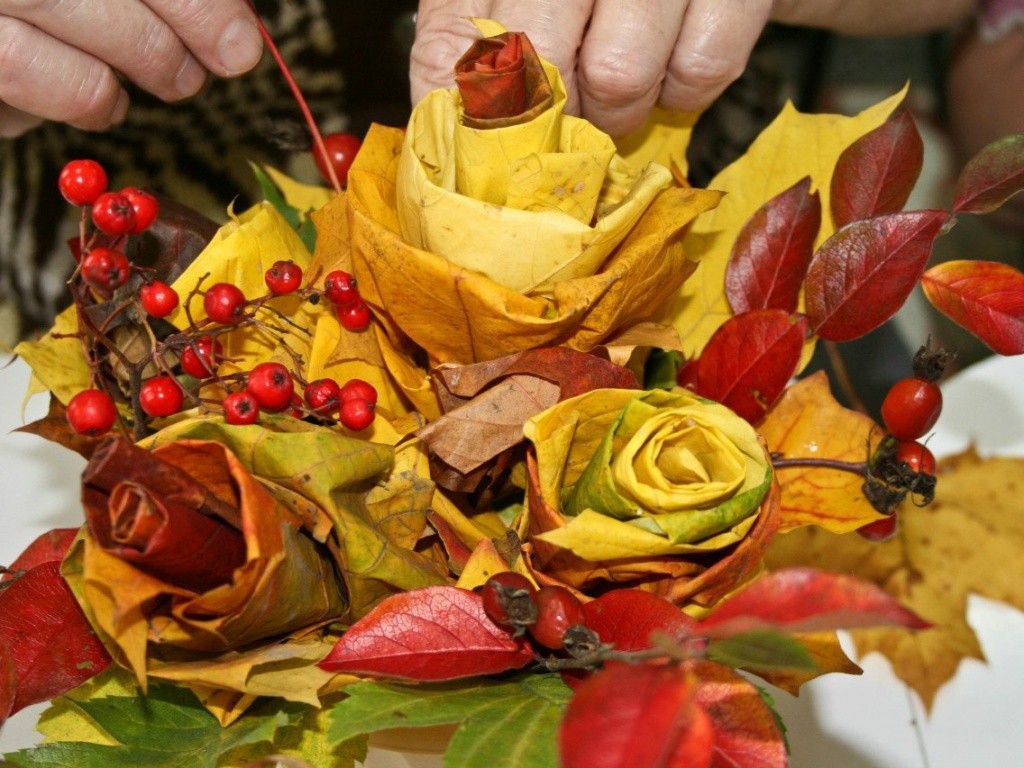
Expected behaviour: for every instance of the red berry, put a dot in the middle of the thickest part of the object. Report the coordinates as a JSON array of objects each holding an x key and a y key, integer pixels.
[
  {"x": 144, "y": 205},
  {"x": 508, "y": 600},
  {"x": 911, "y": 408},
  {"x": 82, "y": 181},
  {"x": 354, "y": 317},
  {"x": 158, "y": 298},
  {"x": 91, "y": 412},
  {"x": 341, "y": 151},
  {"x": 161, "y": 396},
  {"x": 241, "y": 408},
  {"x": 105, "y": 269},
  {"x": 340, "y": 288},
  {"x": 880, "y": 530},
  {"x": 323, "y": 396},
  {"x": 224, "y": 303},
  {"x": 916, "y": 456},
  {"x": 295, "y": 408},
  {"x": 283, "y": 277},
  {"x": 557, "y": 610},
  {"x": 272, "y": 386},
  {"x": 356, "y": 414},
  {"x": 201, "y": 357},
  {"x": 357, "y": 389},
  {"x": 112, "y": 213}
]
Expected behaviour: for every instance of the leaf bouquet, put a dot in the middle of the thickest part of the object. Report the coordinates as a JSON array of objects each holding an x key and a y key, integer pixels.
[{"x": 499, "y": 437}]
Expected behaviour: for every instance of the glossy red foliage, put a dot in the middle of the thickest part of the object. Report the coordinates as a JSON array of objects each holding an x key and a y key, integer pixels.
[
  {"x": 769, "y": 260},
  {"x": 991, "y": 177}
]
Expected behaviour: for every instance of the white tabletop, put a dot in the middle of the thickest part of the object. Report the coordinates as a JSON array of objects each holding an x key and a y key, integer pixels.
[{"x": 839, "y": 721}]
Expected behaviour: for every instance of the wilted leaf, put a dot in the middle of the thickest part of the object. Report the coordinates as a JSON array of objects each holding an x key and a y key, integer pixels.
[
  {"x": 992, "y": 176},
  {"x": 437, "y": 633},
  {"x": 792, "y": 147},
  {"x": 45, "y": 638},
  {"x": 770, "y": 257},
  {"x": 861, "y": 276},
  {"x": 166, "y": 729},
  {"x": 877, "y": 173},
  {"x": 967, "y": 541},
  {"x": 636, "y": 716},
  {"x": 746, "y": 731},
  {"x": 750, "y": 359},
  {"x": 510, "y": 724},
  {"x": 985, "y": 297},
  {"x": 807, "y": 422}
]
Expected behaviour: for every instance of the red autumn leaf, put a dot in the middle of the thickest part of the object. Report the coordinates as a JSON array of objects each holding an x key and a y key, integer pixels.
[
  {"x": 628, "y": 618},
  {"x": 47, "y": 638},
  {"x": 636, "y": 716},
  {"x": 769, "y": 260},
  {"x": 992, "y": 176},
  {"x": 986, "y": 298},
  {"x": 8, "y": 684},
  {"x": 861, "y": 275},
  {"x": 436, "y": 633},
  {"x": 746, "y": 732},
  {"x": 500, "y": 78},
  {"x": 877, "y": 173},
  {"x": 808, "y": 600},
  {"x": 749, "y": 360},
  {"x": 49, "y": 547}
]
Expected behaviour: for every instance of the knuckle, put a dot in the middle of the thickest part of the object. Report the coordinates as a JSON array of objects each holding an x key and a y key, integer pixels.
[
  {"x": 703, "y": 72},
  {"x": 618, "y": 78},
  {"x": 93, "y": 102},
  {"x": 13, "y": 50}
]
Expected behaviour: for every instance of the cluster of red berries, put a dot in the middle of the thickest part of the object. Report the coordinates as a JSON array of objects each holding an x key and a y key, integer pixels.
[
  {"x": 909, "y": 411},
  {"x": 552, "y": 615},
  {"x": 269, "y": 387}
]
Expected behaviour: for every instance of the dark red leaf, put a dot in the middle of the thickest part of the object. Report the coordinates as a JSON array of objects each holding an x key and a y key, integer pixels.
[
  {"x": 628, "y": 618},
  {"x": 501, "y": 77},
  {"x": 992, "y": 177},
  {"x": 8, "y": 684},
  {"x": 746, "y": 731},
  {"x": 985, "y": 297},
  {"x": 749, "y": 360},
  {"x": 770, "y": 257},
  {"x": 49, "y": 547},
  {"x": 877, "y": 173},
  {"x": 808, "y": 600},
  {"x": 861, "y": 276},
  {"x": 636, "y": 716},
  {"x": 436, "y": 633},
  {"x": 47, "y": 637}
]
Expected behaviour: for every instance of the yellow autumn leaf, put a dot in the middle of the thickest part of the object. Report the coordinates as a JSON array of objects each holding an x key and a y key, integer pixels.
[
  {"x": 662, "y": 139},
  {"x": 968, "y": 541},
  {"x": 58, "y": 364},
  {"x": 795, "y": 145},
  {"x": 240, "y": 253},
  {"x": 303, "y": 197},
  {"x": 808, "y": 422}
]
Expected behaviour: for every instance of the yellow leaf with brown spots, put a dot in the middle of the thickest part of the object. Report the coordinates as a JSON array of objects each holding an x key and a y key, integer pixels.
[
  {"x": 808, "y": 422},
  {"x": 968, "y": 541}
]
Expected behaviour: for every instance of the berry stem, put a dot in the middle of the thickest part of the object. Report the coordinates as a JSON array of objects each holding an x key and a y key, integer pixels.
[
  {"x": 318, "y": 139},
  {"x": 856, "y": 467}
]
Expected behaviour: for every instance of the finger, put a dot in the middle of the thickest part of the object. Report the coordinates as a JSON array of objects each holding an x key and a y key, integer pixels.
[
  {"x": 623, "y": 59},
  {"x": 133, "y": 41},
  {"x": 222, "y": 34},
  {"x": 14, "y": 122},
  {"x": 443, "y": 33},
  {"x": 712, "y": 50},
  {"x": 45, "y": 77},
  {"x": 555, "y": 27}
]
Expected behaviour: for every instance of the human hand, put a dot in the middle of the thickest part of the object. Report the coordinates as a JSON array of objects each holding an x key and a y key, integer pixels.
[
  {"x": 619, "y": 58},
  {"x": 61, "y": 61}
]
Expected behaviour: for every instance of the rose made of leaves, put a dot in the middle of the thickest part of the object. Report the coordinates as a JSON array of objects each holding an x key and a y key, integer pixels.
[
  {"x": 660, "y": 490},
  {"x": 475, "y": 243},
  {"x": 185, "y": 554}
]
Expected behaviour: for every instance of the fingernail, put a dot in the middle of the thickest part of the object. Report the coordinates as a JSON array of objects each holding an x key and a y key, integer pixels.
[
  {"x": 190, "y": 78},
  {"x": 240, "y": 46}
]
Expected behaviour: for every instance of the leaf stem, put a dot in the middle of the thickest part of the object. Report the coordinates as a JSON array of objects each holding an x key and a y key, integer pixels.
[
  {"x": 855, "y": 467},
  {"x": 835, "y": 359},
  {"x": 318, "y": 139}
]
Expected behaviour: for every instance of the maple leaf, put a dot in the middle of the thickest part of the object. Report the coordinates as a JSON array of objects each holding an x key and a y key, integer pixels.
[{"x": 975, "y": 523}]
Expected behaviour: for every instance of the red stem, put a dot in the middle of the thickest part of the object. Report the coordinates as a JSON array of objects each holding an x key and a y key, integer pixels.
[{"x": 318, "y": 139}]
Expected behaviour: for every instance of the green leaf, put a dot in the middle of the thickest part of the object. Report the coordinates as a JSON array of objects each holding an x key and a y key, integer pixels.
[
  {"x": 166, "y": 729},
  {"x": 661, "y": 369},
  {"x": 504, "y": 725},
  {"x": 760, "y": 649},
  {"x": 303, "y": 226}
]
